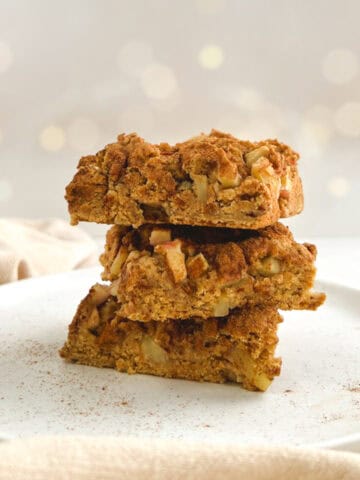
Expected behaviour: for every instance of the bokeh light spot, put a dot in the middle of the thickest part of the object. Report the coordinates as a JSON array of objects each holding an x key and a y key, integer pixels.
[
  {"x": 158, "y": 82},
  {"x": 211, "y": 57},
  {"x": 315, "y": 131},
  {"x": 52, "y": 138},
  {"x": 338, "y": 186}
]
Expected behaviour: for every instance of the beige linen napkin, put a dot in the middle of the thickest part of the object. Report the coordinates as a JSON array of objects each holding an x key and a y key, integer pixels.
[
  {"x": 107, "y": 458},
  {"x": 30, "y": 248}
]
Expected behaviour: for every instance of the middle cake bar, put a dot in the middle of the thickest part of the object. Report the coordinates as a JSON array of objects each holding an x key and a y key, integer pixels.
[{"x": 179, "y": 272}]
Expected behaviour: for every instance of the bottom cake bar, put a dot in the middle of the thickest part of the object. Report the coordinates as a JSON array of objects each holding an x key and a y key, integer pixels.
[{"x": 238, "y": 348}]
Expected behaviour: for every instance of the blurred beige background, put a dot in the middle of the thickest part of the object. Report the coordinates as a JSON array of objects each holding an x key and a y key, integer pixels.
[{"x": 73, "y": 74}]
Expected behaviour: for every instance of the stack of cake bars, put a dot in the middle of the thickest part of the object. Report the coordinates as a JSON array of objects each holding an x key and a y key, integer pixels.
[{"x": 196, "y": 262}]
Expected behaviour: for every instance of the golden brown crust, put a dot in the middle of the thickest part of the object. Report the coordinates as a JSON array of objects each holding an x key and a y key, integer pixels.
[
  {"x": 238, "y": 348},
  {"x": 180, "y": 272},
  {"x": 214, "y": 180}
]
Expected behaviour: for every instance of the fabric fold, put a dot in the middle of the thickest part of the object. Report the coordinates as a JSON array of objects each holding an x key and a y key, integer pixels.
[
  {"x": 30, "y": 248},
  {"x": 110, "y": 458}
]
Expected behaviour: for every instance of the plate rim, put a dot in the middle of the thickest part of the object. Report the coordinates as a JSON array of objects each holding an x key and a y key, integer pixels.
[{"x": 343, "y": 442}]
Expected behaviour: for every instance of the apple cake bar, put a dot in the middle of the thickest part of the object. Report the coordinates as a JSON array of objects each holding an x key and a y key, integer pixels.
[
  {"x": 162, "y": 272},
  {"x": 209, "y": 180},
  {"x": 237, "y": 348}
]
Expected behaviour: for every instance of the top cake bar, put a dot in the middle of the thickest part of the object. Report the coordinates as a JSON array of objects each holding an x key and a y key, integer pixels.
[{"x": 210, "y": 180}]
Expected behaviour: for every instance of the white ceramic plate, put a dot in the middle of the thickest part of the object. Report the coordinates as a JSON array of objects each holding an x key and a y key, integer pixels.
[{"x": 316, "y": 400}]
